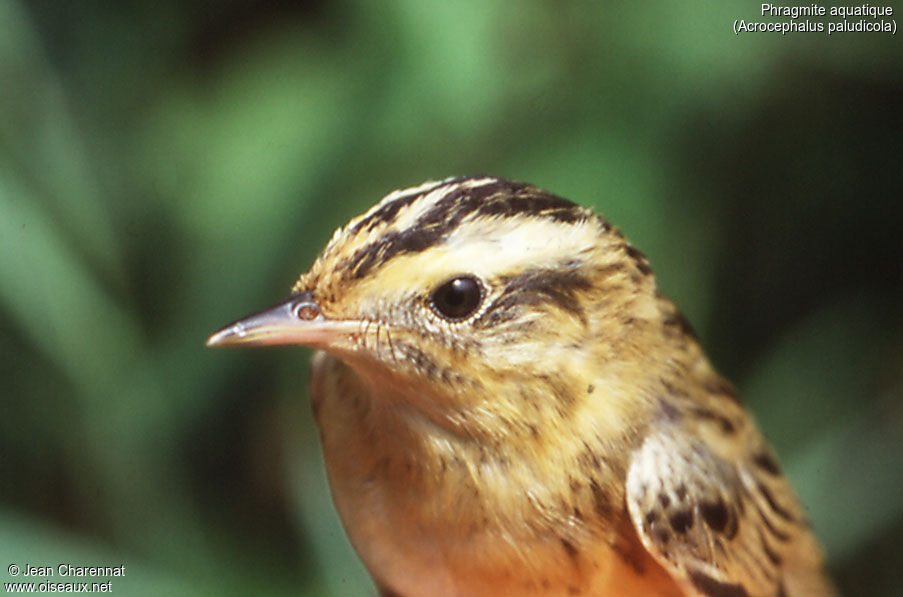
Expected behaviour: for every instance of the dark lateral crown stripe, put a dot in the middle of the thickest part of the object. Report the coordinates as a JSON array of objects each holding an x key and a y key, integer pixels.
[
  {"x": 384, "y": 214},
  {"x": 501, "y": 198}
]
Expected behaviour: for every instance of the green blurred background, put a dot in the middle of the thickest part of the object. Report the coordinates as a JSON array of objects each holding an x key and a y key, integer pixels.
[{"x": 166, "y": 167}]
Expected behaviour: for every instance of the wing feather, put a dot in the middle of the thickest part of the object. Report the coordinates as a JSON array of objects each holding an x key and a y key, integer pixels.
[{"x": 721, "y": 529}]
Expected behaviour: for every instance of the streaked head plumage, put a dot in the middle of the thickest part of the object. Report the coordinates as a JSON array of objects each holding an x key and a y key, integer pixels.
[
  {"x": 473, "y": 281},
  {"x": 536, "y": 259}
]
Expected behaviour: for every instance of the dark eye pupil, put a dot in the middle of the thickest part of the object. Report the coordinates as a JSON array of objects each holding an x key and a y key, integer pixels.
[{"x": 458, "y": 298}]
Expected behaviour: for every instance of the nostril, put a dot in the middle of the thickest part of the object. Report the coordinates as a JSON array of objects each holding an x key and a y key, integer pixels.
[{"x": 306, "y": 311}]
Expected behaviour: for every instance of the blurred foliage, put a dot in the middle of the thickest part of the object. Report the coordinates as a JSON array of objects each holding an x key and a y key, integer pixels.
[{"x": 166, "y": 167}]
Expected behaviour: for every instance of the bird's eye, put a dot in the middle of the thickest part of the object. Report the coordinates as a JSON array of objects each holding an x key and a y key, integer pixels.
[{"x": 457, "y": 299}]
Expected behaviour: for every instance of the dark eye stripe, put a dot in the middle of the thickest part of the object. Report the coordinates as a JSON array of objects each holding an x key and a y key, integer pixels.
[{"x": 546, "y": 285}]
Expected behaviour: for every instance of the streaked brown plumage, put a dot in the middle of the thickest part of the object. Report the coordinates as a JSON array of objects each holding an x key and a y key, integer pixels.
[{"x": 508, "y": 406}]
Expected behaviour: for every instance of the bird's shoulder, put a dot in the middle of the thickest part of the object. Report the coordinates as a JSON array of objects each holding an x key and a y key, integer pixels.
[{"x": 710, "y": 503}]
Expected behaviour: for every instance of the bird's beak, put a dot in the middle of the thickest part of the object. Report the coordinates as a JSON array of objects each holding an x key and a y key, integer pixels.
[{"x": 298, "y": 320}]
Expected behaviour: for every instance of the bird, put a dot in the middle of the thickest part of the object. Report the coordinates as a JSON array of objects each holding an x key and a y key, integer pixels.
[{"x": 508, "y": 405}]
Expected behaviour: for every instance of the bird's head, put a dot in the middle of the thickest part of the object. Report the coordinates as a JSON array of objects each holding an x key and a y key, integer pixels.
[{"x": 469, "y": 297}]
